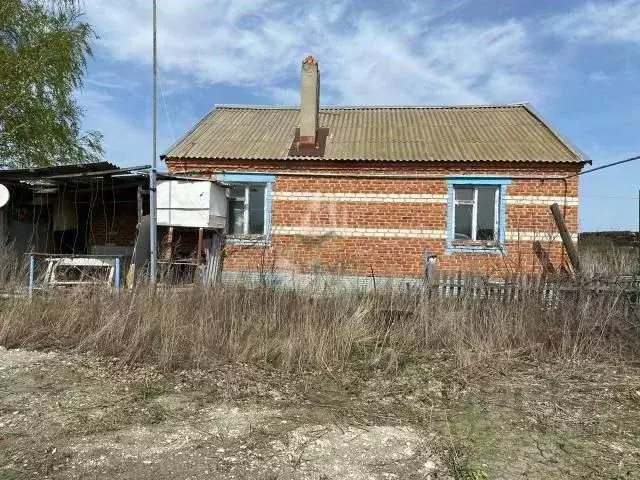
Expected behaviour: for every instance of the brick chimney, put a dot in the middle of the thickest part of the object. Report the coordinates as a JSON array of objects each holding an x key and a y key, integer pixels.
[{"x": 309, "y": 102}]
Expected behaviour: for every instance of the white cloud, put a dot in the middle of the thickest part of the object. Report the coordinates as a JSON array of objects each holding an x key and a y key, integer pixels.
[
  {"x": 599, "y": 76},
  {"x": 601, "y": 22},
  {"x": 409, "y": 52},
  {"x": 366, "y": 57}
]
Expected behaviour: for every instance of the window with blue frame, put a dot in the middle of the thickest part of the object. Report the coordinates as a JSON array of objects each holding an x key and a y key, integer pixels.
[
  {"x": 475, "y": 214},
  {"x": 247, "y": 212},
  {"x": 249, "y": 208},
  {"x": 476, "y": 217}
]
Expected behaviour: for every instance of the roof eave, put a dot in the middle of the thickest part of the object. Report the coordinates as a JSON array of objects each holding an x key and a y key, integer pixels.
[
  {"x": 582, "y": 156},
  {"x": 375, "y": 160}
]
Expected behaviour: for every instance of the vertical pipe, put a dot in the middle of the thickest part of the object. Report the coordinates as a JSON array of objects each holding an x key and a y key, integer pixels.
[
  {"x": 152, "y": 176},
  {"x": 116, "y": 280},
  {"x": 32, "y": 271}
]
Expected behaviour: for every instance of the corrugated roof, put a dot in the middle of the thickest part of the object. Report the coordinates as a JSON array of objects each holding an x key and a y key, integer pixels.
[
  {"x": 61, "y": 171},
  {"x": 503, "y": 133}
]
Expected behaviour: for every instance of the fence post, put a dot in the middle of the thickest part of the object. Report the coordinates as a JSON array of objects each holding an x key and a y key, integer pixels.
[
  {"x": 32, "y": 271},
  {"x": 430, "y": 271},
  {"x": 572, "y": 252},
  {"x": 117, "y": 275}
]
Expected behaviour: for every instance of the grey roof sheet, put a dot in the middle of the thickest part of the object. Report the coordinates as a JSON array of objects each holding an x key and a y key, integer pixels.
[
  {"x": 456, "y": 133},
  {"x": 55, "y": 170}
]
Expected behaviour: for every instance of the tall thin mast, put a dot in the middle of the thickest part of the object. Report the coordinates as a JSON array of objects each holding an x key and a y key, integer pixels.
[{"x": 152, "y": 176}]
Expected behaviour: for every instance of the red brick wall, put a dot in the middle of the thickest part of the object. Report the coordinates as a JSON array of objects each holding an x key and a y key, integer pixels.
[
  {"x": 395, "y": 253},
  {"x": 358, "y": 214}
]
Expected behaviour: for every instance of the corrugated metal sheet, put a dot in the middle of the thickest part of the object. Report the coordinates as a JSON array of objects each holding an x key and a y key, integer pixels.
[
  {"x": 474, "y": 133},
  {"x": 56, "y": 170}
]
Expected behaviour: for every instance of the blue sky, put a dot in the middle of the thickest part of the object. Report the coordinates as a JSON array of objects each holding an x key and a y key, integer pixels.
[{"x": 577, "y": 62}]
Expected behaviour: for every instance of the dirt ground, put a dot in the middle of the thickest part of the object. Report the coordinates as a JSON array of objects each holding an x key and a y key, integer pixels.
[
  {"x": 67, "y": 416},
  {"x": 72, "y": 416}
]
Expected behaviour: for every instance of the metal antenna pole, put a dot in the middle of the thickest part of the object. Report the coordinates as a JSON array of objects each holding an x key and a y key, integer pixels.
[{"x": 152, "y": 176}]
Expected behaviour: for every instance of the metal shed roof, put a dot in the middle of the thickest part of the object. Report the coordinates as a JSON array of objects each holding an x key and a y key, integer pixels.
[{"x": 66, "y": 171}]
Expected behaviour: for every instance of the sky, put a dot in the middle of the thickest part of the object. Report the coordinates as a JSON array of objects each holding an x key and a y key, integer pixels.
[{"x": 577, "y": 62}]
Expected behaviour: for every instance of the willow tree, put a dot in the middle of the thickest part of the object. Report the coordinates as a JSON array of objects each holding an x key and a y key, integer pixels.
[{"x": 44, "y": 47}]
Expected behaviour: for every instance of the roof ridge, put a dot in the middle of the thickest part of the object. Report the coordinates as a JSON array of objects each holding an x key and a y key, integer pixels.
[{"x": 232, "y": 106}]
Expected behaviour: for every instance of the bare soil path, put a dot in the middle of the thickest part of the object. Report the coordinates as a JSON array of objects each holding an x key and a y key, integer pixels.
[{"x": 68, "y": 416}]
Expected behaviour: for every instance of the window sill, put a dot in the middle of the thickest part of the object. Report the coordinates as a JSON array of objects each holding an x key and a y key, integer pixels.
[
  {"x": 474, "y": 247},
  {"x": 248, "y": 240}
]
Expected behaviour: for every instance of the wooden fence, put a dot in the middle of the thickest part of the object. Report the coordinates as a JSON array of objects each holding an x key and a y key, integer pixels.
[{"x": 550, "y": 289}]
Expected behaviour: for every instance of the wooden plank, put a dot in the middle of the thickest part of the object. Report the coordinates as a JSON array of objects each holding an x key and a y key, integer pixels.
[
  {"x": 572, "y": 252},
  {"x": 508, "y": 285},
  {"x": 139, "y": 204},
  {"x": 199, "y": 253},
  {"x": 213, "y": 253},
  {"x": 140, "y": 251},
  {"x": 430, "y": 268},
  {"x": 200, "y": 238}
]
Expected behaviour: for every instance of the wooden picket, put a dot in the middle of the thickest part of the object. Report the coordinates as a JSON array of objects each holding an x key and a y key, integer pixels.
[{"x": 550, "y": 290}]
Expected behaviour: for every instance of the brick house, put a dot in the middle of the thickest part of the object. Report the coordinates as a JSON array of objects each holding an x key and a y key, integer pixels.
[{"x": 369, "y": 191}]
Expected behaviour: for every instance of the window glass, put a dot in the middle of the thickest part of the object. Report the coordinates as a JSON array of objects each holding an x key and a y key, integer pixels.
[
  {"x": 237, "y": 192},
  {"x": 236, "y": 216},
  {"x": 256, "y": 209},
  {"x": 464, "y": 194},
  {"x": 247, "y": 210},
  {"x": 463, "y": 215},
  {"x": 485, "y": 222}
]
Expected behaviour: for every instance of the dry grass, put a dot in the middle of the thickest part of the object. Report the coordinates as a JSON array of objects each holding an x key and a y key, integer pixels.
[
  {"x": 14, "y": 268},
  {"x": 537, "y": 394},
  {"x": 600, "y": 256},
  {"x": 300, "y": 330}
]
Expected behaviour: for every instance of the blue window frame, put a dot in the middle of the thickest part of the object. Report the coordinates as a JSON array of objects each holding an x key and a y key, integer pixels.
[
  {"x": 249, "y": 208},
  {"x": 476, "y": 214}
]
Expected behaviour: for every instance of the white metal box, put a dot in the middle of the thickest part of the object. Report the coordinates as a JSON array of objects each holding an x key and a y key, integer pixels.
[{"x": 191, "y": 203}]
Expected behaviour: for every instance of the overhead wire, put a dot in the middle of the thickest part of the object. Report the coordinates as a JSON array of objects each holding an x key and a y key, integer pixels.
[
  {"x": 166, "y": 110},
  {"x": 113, "y": 205},
  {"x": 34, "y": 221},
  {"x": 77, "y": 222},
  {"x": 60, "y": 212},
  {"x": 92, "y": 204},
  {"x": 602, "y": 167},
  {"x": 617, "y": 197},
  {"x": 104, "y": 210}
]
